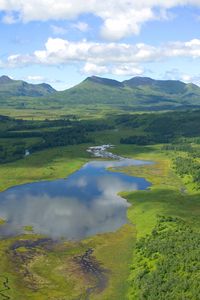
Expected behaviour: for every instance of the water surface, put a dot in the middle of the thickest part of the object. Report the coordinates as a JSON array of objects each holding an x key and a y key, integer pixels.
[{"x": 83, "y": 204}]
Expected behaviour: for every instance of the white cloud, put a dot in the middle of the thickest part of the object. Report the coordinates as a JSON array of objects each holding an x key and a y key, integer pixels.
[
  {"x": 58, "y": 30},
  {"x": 103, "y": 58},
  {"x": 119, "y": 69},
  {"x": 58, "y": 51},
  {"x": 127, "y": 70},
  {"x": 120, "y": 18},
  {"x": 125, "y": 23},
  {"x": 9, "y": 19},
  {"x": 81, "y": 26},
  {"x": 17, "y": 60},
  {"x": 35, "y": 78},
  {"x": 91, "y": 68}
]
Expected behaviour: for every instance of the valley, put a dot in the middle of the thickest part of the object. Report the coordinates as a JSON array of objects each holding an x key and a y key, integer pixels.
[
  {"x": 37, "y": 266},
  {"x": 99, "y": 150}
]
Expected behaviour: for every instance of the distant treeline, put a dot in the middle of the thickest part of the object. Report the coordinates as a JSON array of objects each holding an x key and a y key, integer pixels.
[
  {"x": 160, "y": 127},
  {"x": 46, "y": 134}
]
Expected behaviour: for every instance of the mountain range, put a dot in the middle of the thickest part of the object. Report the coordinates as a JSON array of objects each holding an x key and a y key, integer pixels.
[
  {"x": 138, "y": 93},
  {"x": 10, "y": 88}
]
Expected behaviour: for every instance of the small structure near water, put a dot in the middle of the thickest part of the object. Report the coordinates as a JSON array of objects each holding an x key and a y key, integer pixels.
[
  {"x": 27, "y": 153},
  {"x": 100, "y": 151}
]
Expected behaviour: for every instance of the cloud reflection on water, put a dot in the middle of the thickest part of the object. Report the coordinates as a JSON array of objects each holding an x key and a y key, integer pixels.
[{"x": 84, "y": 204}]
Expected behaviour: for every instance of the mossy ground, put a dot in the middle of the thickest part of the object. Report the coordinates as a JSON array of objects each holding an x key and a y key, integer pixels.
[{"x": 50, "y": 271}]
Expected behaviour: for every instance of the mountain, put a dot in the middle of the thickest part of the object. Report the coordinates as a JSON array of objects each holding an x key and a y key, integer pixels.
[
  {"x": 16, "y": 88},
  {"x": 104, "y": 81},
  {"x": 139, "y": 81},
  {"x": 136, "y": 94},
  {"x": 5, "y": 80}
]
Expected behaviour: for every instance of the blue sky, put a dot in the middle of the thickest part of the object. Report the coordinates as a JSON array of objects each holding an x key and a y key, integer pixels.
[{"x": 63, "y": 41}]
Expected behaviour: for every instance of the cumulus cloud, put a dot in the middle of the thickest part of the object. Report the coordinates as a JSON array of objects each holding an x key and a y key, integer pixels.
[
  {"x": 103, "y": 58},
  {"x": 119, "y": 69},
  {"x": 127, "y": 70},
  {"x": 91, "y": 68},
  {"x": 120, "y": 18},
  {"x": 61, "y": 51},
  {"x": 125, "y": 23}
]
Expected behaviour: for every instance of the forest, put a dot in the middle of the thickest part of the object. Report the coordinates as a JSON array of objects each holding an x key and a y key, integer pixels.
[
  {"x": 167, "y": 262},
  {"x": 17, "y": 136}
]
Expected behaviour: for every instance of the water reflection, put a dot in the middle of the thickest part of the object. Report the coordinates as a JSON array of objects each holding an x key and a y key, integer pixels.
[{"x": 84, "y": 204}]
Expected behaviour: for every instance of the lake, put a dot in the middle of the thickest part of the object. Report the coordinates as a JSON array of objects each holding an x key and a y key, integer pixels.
[{"x": 83, "y": 204}]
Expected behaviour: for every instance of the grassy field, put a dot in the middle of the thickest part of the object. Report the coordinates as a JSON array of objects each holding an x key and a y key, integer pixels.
[
  {"x": 82, "y": 112},
  {"x": 48, "y": 164}
]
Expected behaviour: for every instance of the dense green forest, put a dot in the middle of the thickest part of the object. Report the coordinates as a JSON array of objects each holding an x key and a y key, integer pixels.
[
  {"x": 167, "y": 262},
  {"x": 17, "y": 136},
  {"x": 161, "y": 128}
]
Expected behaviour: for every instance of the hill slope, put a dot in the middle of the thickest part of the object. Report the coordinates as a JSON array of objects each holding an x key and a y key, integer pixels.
[
  {"x": 138, "y": 93},
  {"x": 16, "y": 88}
]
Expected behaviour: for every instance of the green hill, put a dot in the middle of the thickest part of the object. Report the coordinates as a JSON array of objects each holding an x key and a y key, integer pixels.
[
  {"x": 17, "y": 88},
  {"x": 136, "y": 94}
]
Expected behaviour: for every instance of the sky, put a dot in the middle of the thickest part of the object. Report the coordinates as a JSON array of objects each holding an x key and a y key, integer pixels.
[{"x": 62, "y": 42}]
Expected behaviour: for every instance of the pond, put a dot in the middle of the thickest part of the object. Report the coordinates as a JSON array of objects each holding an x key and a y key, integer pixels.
[{"x": 83, "y": 204}]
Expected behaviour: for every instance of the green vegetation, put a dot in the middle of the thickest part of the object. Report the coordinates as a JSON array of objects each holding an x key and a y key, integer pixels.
[
  {"x": 166, "y": 256},
  {"x": 96, "y": 96},
  {"x": 36, "y": 267},
  {"x": 135, "y": 94},
  {"x": 161, "y": 128},
  {"x": 44, "y": 165},
  {"x": 12, "y": 88},
  {"x": 156, "y": 256},
  {"x": 166, "y": 264},
  {"x": 186, "y": 166},
  {"x": 19, "y": 136}
]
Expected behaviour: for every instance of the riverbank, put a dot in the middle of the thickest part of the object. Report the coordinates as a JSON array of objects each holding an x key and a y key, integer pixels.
[
  {"x": 31, "y": 261},
  {"x": 45, "y": 165}
]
